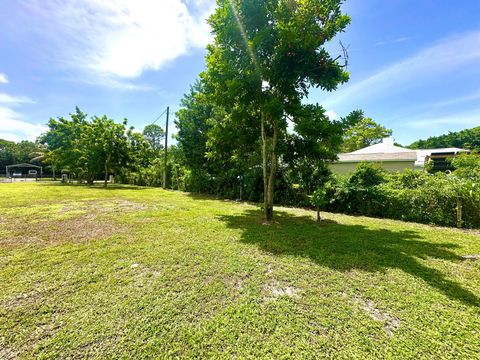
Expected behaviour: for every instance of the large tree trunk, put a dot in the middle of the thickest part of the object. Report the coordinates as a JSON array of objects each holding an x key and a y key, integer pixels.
[{"x": 269, "y": 157}]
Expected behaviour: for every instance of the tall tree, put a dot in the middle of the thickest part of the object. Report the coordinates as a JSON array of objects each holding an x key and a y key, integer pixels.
[
  {"x": 63, "y": 141},
  {"x": 154, "y": 134},
  {"x": 211, "y": 143},
  {"x": 140, "y": 151},
  {"x": 364, "y": 133},
  {"x": 266, "y": 56},
  {"x": 193, "y": 123},
  {"x": 105, "y": 147}
]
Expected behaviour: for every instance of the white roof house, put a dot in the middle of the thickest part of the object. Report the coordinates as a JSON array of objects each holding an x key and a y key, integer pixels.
[{"x": 390, "y": 156}]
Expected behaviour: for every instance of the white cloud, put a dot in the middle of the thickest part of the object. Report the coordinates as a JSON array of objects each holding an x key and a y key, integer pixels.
[
  {"x": 121, "y": 38},
  {"x": 458, "y": 100},
  {"x": 3, "y": 78},
  {"x": 332, "y": 115},
  {"x": 388, "y": 42},
  {"x": 431, "y": 63},
  {"x": 14, "y": 100},
  {"x": 465, "y": 119},
  {"x": 14, "y": 128},
  {"x": 114, "y": 83}
]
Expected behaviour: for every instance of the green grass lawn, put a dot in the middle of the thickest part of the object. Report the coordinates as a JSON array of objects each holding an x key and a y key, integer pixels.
[{"x": 145, "y": 273}]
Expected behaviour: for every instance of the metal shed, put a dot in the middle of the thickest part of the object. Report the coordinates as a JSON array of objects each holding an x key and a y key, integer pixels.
[{"x": 23, "y": 165}]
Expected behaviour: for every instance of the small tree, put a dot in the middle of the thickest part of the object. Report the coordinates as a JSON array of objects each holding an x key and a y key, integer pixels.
[{"x": 318, "y": 199}]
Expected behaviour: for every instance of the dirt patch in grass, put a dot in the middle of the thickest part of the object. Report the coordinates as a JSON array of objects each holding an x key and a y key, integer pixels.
[
  {"x": 142, "y": 275},
  {"x": 7, "y": 353},
  {"x": 236, "y": 283},
  {"x": 76, "y": 230},
  {"x": 117, "y": 205},
  {"x": 82, "y": 223},
  {"x": 28, "y": 299},
  {"x": 390, "y": 323},
  {"x": 103, "y": 206},
  {"x": 472, "y": 257},
  {"x": 274, "y": 290}
]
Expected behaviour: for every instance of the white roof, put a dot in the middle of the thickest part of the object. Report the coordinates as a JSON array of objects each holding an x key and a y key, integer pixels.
[
  {"x": 388, "y": 151},
  {"x": 387, "y": 146}
]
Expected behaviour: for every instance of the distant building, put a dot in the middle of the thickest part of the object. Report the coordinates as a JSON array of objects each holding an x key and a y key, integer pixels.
[
  {"x": 439, "y": 157},
  {"x": 393, "y": 158}
]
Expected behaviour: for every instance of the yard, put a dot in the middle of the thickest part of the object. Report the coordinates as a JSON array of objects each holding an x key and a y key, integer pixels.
[{"x": 129, "y": 272}]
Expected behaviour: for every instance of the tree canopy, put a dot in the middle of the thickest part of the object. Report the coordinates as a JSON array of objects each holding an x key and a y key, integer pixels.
[
  {"x": 464, "y": 139},
  {"x": 364, "y": 133},
  {"x": 92, "y": 148},
  {"x": 154, "y": 134},
  {"x": 104, "y": 145}
]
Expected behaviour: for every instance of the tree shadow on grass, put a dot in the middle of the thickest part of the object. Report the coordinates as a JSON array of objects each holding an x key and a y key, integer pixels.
[{"x": 347, "y": 247}]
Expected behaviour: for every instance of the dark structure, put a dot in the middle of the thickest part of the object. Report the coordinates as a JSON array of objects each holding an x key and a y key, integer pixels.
[
  {"x": 441, "y": 161},
  {"x": 33, "y": 171}
]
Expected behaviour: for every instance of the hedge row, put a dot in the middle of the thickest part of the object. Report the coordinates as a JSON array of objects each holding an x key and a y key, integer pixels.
[{"x": 409, "y": 196}]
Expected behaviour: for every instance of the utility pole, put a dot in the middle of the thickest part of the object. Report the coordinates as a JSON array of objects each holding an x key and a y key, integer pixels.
[{"x": 165, "y": 153}]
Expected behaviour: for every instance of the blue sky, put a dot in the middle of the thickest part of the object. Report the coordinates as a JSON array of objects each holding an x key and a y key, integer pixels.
[{"x": 414, "y": 64}]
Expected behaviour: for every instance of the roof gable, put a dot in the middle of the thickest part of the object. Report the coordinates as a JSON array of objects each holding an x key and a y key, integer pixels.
[{"x": 387, "y": 146}]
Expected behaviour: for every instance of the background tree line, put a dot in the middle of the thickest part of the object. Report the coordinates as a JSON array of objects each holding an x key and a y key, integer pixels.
[
  {"x": 89, "y": 149},
  {"x": 464, "y": 139},
  {"x": 22, "y": 152}
]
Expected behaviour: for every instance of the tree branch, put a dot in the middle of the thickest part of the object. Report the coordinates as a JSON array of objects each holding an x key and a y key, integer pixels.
[{"x": 345, "y": 55}]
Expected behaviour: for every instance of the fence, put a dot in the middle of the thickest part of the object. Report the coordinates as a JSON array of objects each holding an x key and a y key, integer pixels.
[{"x": 27, "y": 177}]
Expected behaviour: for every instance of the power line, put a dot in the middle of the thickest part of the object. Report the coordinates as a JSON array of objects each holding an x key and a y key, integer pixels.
[
  {"x": 165, "y": 150},
  {"x": 159, "y": 116}
]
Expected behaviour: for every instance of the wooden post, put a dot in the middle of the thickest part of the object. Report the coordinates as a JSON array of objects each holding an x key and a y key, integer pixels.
[{"x": 459, "y": 211}]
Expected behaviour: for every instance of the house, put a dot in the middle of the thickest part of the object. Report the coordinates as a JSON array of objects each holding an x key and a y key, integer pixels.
[{"x": 393, "y": 158}]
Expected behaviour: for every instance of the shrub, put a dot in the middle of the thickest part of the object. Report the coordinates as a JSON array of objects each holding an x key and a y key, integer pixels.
[
  {"x": 367, "y": 175},
  {"x": 467, "y": 166},
  {"x": 410, "y": 196}
]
